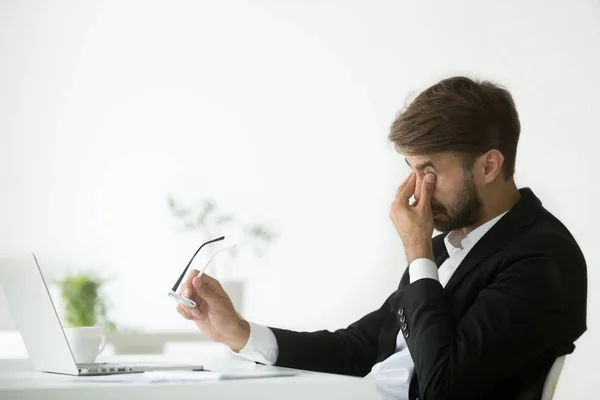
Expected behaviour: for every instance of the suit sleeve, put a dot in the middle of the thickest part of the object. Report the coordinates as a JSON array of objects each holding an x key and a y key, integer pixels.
[
  {"x": 512, "y": 320},
  {"x": 349, "y": 351}
]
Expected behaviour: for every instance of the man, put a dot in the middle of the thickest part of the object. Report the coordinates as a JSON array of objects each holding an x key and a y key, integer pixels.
[{"x": 483, "y": 309}]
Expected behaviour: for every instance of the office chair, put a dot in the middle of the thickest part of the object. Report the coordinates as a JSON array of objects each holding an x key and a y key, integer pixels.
[{"x": 552, "y": 378}]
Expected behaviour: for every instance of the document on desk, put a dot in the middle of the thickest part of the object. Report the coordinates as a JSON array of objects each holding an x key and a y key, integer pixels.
[{"x": 185, "y": 376}]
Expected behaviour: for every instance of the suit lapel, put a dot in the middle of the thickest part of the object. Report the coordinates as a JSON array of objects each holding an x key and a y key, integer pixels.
[
  {"x": 506, "y": 229},
  {"x": 439, "y": 260}
]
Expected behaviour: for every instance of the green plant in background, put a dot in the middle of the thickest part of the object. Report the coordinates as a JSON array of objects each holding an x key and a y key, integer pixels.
[
  {"x": 209, "y": 219},
  {"x": 84, "y": 305}
]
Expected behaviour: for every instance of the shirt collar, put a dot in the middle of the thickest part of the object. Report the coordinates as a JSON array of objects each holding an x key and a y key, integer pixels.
[{"x": 456, "y": 240}]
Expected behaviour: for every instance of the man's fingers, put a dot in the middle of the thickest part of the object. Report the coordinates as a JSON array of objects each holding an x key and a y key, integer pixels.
[
  {"x": 200, "y": 289},
  {"x": 208, "y": 283},
  {"x": 186, "y": 289},
  {"x": 191, "y": 275},
  {"x": 181, "y": 309},
  {"x": 401, "y": 196},
  {"x": 407, "y": 189},
  {"x": 426, "y": 191},
  {"x": 403, "y": 184},
  {"x": 208, "y": 288}
]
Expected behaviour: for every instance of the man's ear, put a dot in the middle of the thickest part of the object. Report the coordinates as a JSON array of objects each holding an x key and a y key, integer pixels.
[{"x": 491, "y": 165}]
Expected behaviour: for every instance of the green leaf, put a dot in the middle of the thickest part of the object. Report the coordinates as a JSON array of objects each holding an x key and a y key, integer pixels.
[
  {"x": 83, "y": 302},
  {"x": 224, "y": 219},
  {"x": 177, "y": 210},
  {"x": 260, "y": 232}
]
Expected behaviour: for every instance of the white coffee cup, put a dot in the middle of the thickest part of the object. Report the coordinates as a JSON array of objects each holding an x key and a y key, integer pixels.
[{"x": 86, "y": 342}]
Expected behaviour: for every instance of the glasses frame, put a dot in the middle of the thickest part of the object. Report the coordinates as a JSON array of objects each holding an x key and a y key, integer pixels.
[{"x": 173, "y": 293}]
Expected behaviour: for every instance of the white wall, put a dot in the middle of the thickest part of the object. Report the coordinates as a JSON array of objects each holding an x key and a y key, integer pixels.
[{"x": 279, "y": 110}]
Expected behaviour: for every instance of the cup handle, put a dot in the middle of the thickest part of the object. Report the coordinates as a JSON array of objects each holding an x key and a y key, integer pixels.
[{"x": 103, "y": 344}]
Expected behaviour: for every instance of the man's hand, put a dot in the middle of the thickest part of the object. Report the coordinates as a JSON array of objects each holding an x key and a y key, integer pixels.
[
  {"x": 414, "y": 222},
  {"x": 214, "y": 313}
]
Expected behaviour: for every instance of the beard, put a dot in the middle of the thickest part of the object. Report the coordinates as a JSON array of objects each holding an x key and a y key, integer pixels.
[{"x": 466, "y": 211}]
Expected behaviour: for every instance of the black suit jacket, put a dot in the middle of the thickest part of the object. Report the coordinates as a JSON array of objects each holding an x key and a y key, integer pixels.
[{"x": 516, "y": 302}]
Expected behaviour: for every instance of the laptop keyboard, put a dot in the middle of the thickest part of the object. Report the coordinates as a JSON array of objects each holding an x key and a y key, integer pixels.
[{"x": 101, "y": 367}]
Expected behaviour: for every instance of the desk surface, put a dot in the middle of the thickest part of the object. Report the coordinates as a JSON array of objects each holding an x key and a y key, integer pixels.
[{"x": 18, "y": 380}]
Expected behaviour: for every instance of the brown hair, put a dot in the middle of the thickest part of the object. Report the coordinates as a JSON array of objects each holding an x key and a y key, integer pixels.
[{"x": 460, "y": 115}]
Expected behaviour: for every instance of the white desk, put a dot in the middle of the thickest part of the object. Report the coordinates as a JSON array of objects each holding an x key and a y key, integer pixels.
[{"x": 18, "y": 381}]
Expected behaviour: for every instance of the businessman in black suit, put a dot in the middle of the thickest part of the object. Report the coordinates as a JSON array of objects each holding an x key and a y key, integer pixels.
[{"x": 483, "y": 309}]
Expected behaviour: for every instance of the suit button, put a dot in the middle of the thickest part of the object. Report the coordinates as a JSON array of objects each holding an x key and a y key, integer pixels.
[
  {"x": 404, "y": 326},
  {"x": 402, "y": 318},
  {"x": 406, "y": 334},
  {"x": 401, "y": 311}
]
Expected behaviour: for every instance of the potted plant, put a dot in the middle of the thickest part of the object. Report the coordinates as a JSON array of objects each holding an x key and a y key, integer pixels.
[
  {"x": 211, "y": 222},
  {"x": 83, "y": 301}
]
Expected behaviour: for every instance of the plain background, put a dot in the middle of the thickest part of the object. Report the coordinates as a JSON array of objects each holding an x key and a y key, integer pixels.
[{"x": 279, "y": 111}]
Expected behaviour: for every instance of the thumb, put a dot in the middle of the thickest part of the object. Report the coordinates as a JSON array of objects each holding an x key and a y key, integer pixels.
[
  {"x": 426, "y": 191},
  {"x": 186, "y": 287},
  {"x": 207, "y": 288}
]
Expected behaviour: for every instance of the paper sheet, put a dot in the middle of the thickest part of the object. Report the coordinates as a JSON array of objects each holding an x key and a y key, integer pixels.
[{"x": 184, "y": 376}]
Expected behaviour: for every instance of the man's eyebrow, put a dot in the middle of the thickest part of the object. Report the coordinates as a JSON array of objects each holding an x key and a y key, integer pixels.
[{"x": 423, "y": 165}]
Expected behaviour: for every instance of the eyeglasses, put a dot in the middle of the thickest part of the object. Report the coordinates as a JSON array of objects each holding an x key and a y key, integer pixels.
[{"x": 173, "y": 293}]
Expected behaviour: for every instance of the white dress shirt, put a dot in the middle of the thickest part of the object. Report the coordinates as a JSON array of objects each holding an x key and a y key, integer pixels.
[{"x": 392, "y": 375}]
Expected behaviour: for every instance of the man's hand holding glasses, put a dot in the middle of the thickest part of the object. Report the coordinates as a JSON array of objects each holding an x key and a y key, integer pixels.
[{"x": 213, "y": 312}]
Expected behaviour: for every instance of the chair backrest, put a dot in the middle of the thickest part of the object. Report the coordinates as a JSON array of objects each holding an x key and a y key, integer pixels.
[{"x": 552, "y": 378}]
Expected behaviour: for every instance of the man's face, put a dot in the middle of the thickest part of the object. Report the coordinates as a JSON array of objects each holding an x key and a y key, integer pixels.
[{"x": 455, "y": 203}]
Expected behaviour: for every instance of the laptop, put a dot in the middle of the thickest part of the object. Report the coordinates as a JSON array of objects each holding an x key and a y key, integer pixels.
[{"x": 36, "y": 318}]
